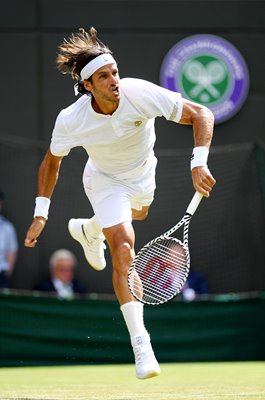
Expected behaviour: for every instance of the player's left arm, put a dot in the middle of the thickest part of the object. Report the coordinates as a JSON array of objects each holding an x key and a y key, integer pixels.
[{"x": 202, "y": 120}]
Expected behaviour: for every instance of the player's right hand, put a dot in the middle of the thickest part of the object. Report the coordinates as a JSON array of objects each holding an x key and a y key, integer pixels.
[
  {"x": 203, "y": 181},
  {"x": 34, "y": 231}
]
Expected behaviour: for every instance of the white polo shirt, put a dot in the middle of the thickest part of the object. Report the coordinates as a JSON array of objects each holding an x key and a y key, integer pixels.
[{"x": 122, "y": 141}]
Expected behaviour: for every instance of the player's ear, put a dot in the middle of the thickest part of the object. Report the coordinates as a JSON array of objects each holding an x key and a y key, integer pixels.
[{"x": 87, "y": 85}]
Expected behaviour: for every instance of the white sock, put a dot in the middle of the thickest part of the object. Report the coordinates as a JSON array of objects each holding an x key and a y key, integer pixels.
[
  {"x": 134, "y": 317},
  {"x": 94, "y": 227}
]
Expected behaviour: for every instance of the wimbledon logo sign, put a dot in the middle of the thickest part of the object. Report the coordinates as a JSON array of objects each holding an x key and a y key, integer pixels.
[{"x": 208, "y": 70}]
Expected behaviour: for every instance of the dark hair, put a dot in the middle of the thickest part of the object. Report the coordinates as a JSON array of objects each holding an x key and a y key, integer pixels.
[{"x": 78, "y": 50}]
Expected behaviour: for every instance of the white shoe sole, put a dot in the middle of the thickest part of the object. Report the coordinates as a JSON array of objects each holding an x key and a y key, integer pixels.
[
  {"x": 81, "y": 239},
  {"x": 151, "y": 374}
]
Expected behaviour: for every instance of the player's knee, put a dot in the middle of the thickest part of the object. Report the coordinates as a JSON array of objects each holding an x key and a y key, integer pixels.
[
  {"x": 122, "y": 255},
  {"x": 124, "y": 252},
  {"x": 140, "y": 214}
]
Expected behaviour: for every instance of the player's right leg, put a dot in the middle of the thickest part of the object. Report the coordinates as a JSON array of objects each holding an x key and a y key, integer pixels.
[
  {"x": 120, "y": 239},
  {"x": 112, "y": 206}
]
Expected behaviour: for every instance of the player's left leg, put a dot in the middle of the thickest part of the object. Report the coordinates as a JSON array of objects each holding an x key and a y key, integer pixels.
[
  {"x": 89, "y": 234},
  {"x": 141, "y": 214}
]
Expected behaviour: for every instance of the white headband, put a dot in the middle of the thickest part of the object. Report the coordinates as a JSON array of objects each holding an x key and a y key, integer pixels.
[{"x": 94, "y": 65}]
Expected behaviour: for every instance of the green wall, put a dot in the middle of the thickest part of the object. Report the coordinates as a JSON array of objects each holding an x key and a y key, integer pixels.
[{"x": 47, "y": 331}]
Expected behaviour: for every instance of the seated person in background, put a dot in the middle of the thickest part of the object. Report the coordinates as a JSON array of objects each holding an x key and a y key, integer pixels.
[
  {"x": 196, "y": 285},
  {"x": 8, "y": 247},
  {"x": 61, "y": 281}
]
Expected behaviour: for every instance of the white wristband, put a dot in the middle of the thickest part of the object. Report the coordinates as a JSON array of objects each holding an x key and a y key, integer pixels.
[
  {"x": 42, "y": 207},
  {"x": 199, "y": 157}
]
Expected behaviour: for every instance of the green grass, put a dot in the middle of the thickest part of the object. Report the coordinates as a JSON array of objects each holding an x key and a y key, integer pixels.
[{"x": 117, "y": 382}]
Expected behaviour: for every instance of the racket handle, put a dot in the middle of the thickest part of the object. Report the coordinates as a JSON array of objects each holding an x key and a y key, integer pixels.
[{"x": 192, "y": 207}]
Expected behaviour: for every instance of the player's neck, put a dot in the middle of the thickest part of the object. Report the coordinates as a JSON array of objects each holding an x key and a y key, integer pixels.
[{"x": 104, "y": 107}]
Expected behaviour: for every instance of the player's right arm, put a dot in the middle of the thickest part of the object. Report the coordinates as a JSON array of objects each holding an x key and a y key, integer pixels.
[{"x": 47, "y": 179}]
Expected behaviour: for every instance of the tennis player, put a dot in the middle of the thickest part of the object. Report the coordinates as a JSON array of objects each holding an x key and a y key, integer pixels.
[{"x": 113, "y": 121}]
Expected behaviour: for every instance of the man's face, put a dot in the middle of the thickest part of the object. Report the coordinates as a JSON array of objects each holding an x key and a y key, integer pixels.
[
  {"x": 105, "y": 84},
  {"x": 63, "y": 270}
]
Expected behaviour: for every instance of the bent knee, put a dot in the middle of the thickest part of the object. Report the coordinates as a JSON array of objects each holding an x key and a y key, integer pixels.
[
  {"x": 140, "y": 214},
  {"x": 122, "y": 254}
]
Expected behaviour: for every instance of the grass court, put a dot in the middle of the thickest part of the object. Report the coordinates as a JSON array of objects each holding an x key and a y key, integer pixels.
[{"x": 238, "y": 380}]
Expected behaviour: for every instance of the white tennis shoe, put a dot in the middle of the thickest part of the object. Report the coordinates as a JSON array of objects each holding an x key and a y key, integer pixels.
[
  {"x": 146, "y": 365},
  {"x": 93, "y": 246}
]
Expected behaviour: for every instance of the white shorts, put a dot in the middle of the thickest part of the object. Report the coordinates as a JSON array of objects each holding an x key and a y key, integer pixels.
[{"x": 113, "y": 197}]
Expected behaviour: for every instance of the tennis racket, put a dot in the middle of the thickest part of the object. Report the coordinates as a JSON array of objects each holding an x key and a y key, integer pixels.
[{"x": 160, "y": 269}]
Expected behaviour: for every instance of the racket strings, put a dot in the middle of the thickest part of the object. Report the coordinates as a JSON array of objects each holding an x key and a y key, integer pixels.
[
  {"x": 154, "y": 297},
  {"x": 159, "y": 271},
  {"x": 172, "y": 255},
  {"x": 156, "y": 294},
  {"x": 168, "y": 284}
]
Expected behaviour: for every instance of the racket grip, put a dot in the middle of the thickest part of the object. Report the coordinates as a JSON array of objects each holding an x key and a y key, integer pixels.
[{"x": 192, "y": 207}]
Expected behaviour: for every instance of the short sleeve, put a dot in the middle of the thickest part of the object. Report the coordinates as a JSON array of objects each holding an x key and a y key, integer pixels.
[
  {"x": 60, "y": 142},
  {"x": 163, "y": 102},
  {"x": 153, "y": 100}
]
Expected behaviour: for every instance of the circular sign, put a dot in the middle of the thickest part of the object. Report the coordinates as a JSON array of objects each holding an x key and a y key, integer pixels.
[{"x": 208, "y": 70}]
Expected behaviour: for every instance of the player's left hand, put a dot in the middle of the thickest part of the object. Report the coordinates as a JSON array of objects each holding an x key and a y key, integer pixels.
[
  {"x": 34, "y": 231},
  {"x": 203, "y": 181}
]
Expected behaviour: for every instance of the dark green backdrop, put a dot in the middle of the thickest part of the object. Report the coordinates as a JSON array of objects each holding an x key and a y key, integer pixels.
[{"x": 47, "y": 331}]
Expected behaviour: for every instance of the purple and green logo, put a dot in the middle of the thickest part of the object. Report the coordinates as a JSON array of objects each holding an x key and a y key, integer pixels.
[{"x": 209, "y": 70}]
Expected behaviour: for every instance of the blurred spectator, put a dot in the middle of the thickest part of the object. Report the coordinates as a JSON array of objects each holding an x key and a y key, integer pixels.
[
  {"x": 62, "y": 271},
  {"x": 196, "y": 285},
  {"x": 8, "y": 247}
]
